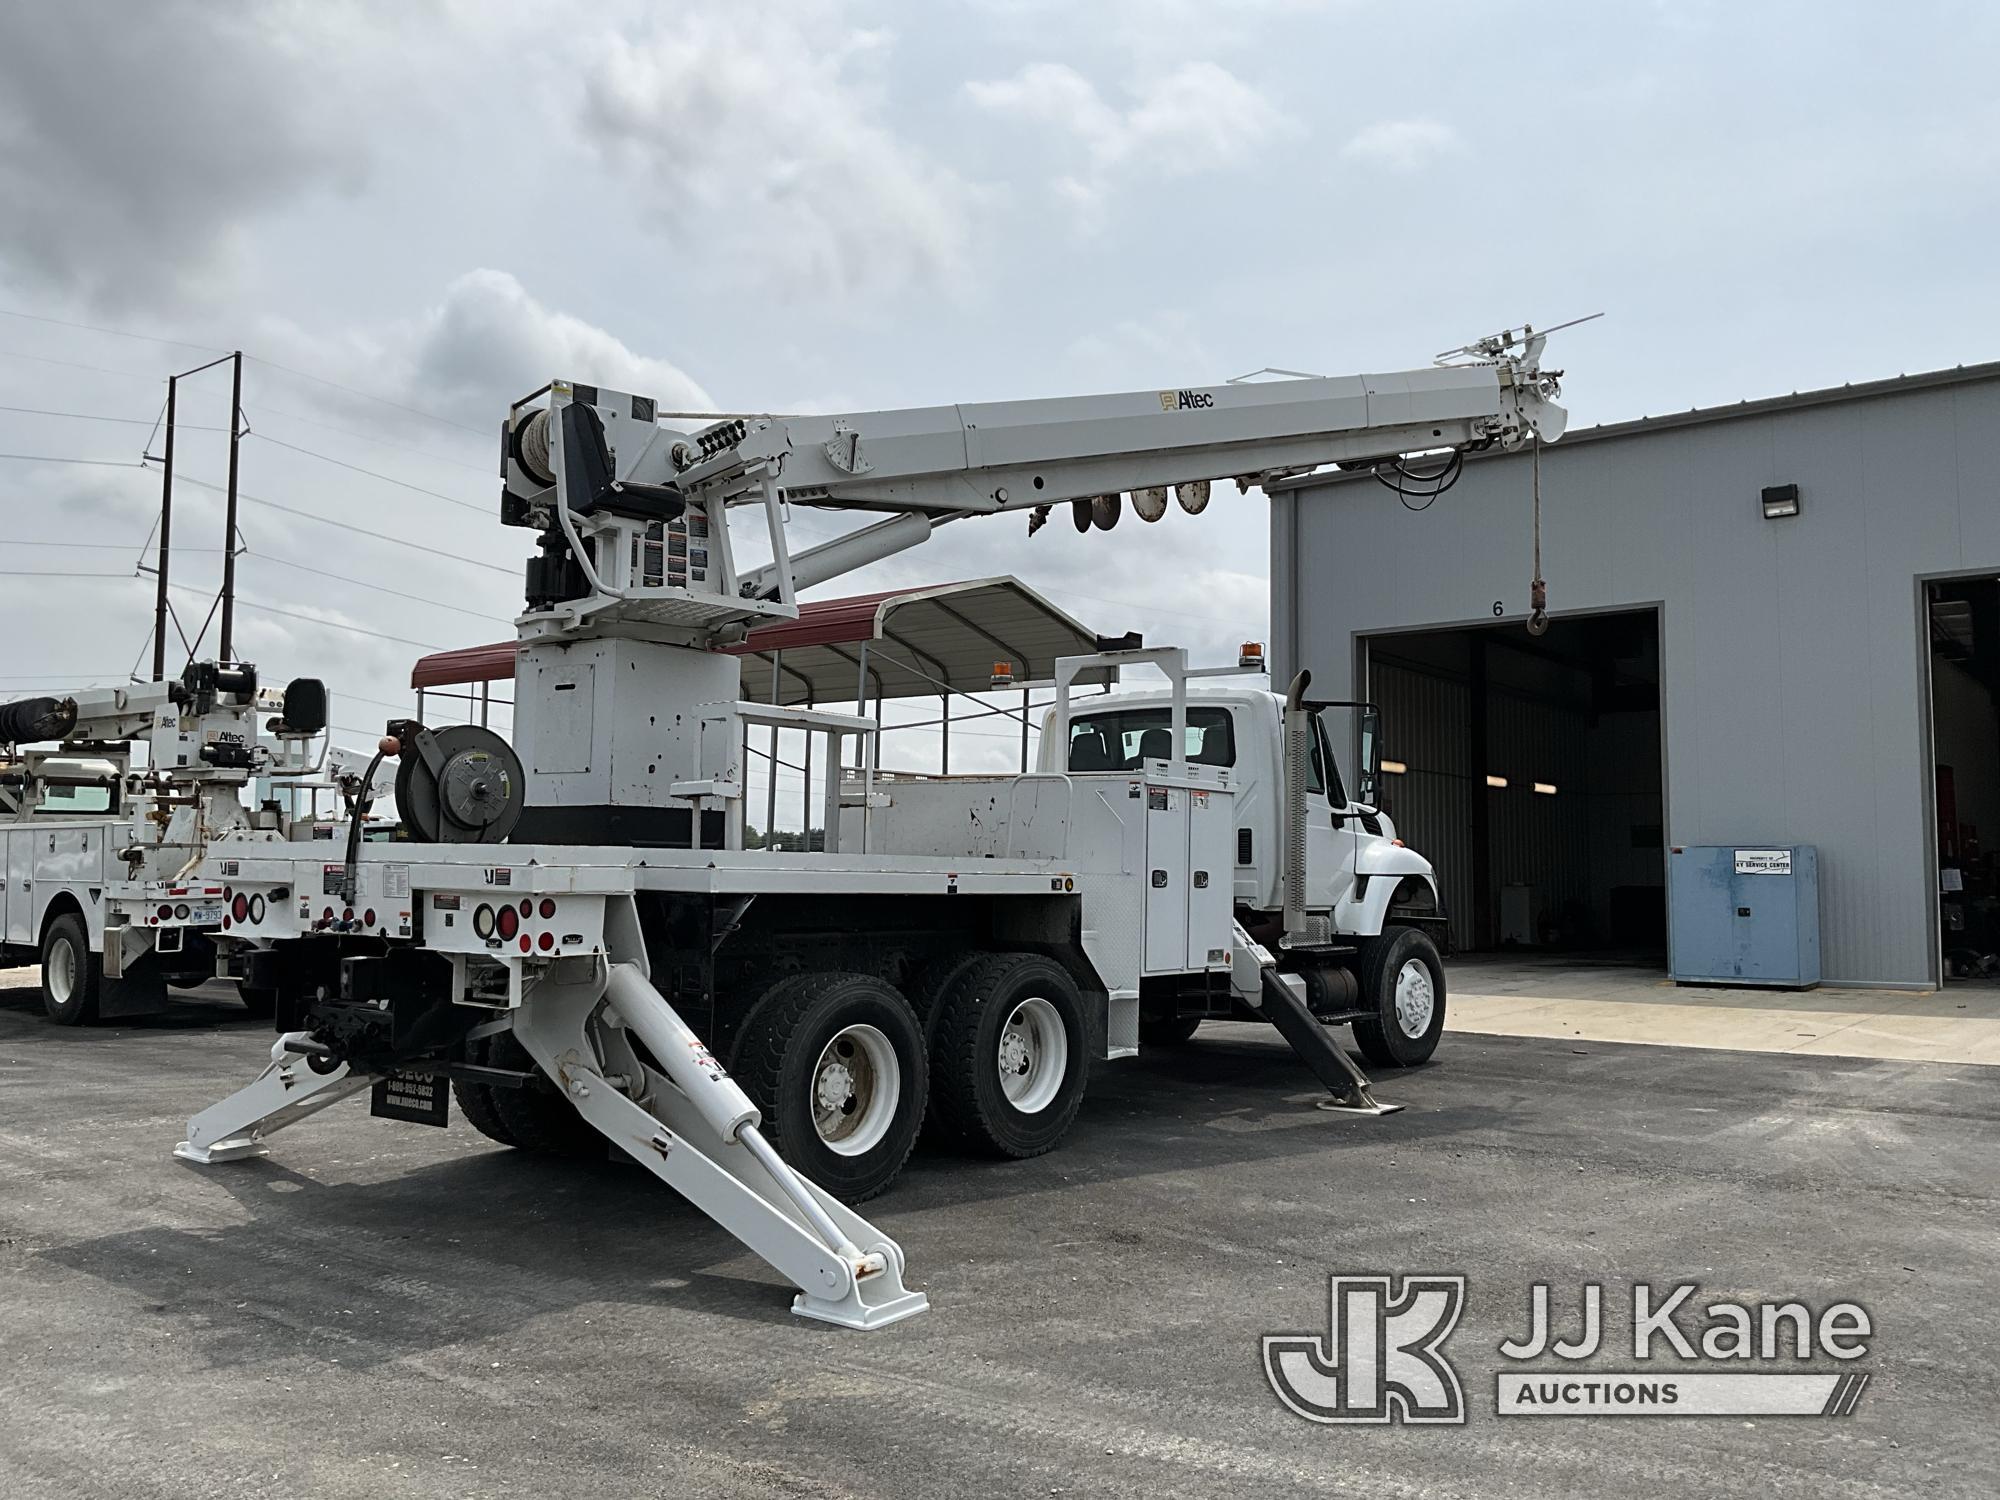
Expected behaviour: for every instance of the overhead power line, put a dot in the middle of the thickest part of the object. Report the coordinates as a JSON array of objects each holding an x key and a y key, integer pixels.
[
  {"x": 9, "y": 541},
  {"x": 91, "y": 416},
  {"x": 483, "y": 470},
  {"x": 47, "y": 458},
  {"x": 286, "y": 562},
  {"x": 292, "y": 614},
  {"x": 70, "y": 364},
  {"x": 402, "y": 406},
  {"x": 57, "y": 573},
  {"x": 380, "y": 536},
  {"x": 372, "y": 474},
  {"x": 117, "y": 333}
]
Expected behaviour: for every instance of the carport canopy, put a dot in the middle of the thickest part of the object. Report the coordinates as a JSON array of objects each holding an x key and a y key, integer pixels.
[{"x": 906, "y": 643}]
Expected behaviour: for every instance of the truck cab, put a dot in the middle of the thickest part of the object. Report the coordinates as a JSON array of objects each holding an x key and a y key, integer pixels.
[{"x": 1359, "y": 875}]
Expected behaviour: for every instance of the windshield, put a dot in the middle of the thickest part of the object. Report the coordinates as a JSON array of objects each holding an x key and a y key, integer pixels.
[
  {"x": 1122, "y": 740},
  {"x": 67, "y": 801}
]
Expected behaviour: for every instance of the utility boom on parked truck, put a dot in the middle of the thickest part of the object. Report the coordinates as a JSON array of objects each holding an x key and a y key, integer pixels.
[
  {"x": 577, "y": 941},
  {"x": 84, "y": 836}
]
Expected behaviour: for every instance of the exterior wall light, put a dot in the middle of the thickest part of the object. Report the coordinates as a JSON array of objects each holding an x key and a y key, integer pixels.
[
  {"x": 1546, "y": 788},
  {"x": 1781, "y": 500},
  {"x": 1393, "y": 768},
  {"x": 1496, "y": 781}
]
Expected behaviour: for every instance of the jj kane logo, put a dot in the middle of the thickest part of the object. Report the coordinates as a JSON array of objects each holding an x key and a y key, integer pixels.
[
  {"x": 1186, "y": 400},
  {"x": 1382, "y": 1358}
]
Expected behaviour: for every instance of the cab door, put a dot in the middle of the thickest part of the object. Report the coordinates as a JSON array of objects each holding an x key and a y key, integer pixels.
[{"x": 1331, "y": 842}]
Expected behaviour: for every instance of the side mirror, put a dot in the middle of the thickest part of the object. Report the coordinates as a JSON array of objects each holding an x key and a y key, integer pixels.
[{"x": 1369, "y": 764}]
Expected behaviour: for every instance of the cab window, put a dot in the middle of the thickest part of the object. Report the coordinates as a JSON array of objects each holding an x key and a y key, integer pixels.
[
  {"x": 69, "y": 801},
  {"x": 1124, "y": 740},
  {"x": 1325, "y": 775}
]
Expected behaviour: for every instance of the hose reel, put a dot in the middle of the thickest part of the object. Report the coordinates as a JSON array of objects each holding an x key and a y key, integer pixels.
[{"x": 459, "y": 785}]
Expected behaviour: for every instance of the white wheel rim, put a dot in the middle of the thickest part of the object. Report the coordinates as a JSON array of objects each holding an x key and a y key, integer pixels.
[
  {"x": 61, "y": 975},
  {"x": 1416, "y": 998},
  {"x": 1033, "y": 1055},
  {"x": 856, "y": 1086}
]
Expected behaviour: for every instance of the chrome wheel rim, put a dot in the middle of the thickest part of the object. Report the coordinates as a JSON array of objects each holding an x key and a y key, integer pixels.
[
  {"x": 1033, "y": 1055},
  {"x": 1416, "y": 998},
  {"x": 856, "y": 1086},
  {"x": 60, "y": 976}
]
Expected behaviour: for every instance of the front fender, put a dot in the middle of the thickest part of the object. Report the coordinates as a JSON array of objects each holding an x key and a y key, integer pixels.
[{"x": 1386, "y": 867}]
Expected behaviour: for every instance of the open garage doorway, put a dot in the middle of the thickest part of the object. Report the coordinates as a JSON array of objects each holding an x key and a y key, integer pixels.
[
  {"x": 1528, "y": 769},
  {"x": 1964, "y": 617}
]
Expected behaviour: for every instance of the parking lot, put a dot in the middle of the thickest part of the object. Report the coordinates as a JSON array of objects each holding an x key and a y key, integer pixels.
[{"x": 383, "y": 1310}]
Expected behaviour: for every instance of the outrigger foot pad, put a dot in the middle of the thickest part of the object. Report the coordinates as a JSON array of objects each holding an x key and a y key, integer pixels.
[{"x": 236, "y": 1148}]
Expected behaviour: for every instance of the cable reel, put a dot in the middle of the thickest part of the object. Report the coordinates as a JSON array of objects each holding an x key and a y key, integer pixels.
[{"x": 460, "y": 785}]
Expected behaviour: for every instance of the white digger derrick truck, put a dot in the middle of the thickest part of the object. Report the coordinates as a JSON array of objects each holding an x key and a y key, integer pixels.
[
  {"x": 573, "y": 941},
  {"x": 96, "y": 853}
]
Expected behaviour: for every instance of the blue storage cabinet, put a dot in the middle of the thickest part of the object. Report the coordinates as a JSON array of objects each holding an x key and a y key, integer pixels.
[{"x": 1745, "y": 914}]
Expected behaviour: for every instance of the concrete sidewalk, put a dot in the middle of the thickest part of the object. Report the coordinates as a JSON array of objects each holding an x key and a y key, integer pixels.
[{"x": 1536, "y": 997}]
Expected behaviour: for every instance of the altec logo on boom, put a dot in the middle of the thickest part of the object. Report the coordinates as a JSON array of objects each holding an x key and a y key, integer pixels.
[
  {"x": 1382, "y": 1359},
  {"x": 1185, "y": 400}
]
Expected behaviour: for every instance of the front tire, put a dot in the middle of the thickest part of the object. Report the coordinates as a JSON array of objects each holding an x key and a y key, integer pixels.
[
  {"x": 72, "y": 976},
  {"x": 835, "y": 1065},
  {"x": 1402, "y": 985},
  {"x": 1011, "y": 1055}
]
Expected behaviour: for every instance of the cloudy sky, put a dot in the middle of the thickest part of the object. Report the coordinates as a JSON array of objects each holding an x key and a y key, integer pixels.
[{"x": 409, "y": 213}]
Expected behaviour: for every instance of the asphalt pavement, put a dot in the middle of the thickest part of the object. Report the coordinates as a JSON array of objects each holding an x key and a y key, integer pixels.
[{"x": 386, "y": 1310}]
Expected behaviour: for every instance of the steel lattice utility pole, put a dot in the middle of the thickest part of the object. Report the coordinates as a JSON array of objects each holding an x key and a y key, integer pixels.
[
  {"x": 166, "y": 540},
  {"x": 225, "y": 647}
]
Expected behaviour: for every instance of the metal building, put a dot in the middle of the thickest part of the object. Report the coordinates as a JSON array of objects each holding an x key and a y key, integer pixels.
[{"x": 1774, "y": 623}]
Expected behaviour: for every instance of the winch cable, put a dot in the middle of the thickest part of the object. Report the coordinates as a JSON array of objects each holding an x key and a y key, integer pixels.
[{"x": 1538, "y": 588}]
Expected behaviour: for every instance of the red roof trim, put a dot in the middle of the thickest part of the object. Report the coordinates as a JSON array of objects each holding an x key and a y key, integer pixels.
[{"x": 821, "y": 622}]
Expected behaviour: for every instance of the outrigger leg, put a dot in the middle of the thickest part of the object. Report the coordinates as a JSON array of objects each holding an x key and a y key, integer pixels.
[
  {"x": 301, "y": 1080},
  {"x": 671, "y": 1108},
  {"x": 1256, "y": 980},
  {"x": 695, "y": 1129}
]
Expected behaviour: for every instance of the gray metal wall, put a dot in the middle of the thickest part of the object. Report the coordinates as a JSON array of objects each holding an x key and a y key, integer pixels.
[{"x": 1793, "y": 668}]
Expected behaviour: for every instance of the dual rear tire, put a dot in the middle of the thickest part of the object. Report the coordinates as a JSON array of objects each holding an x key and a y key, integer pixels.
[
  {"x": 534, "y": 1117},
  {"x": 1009, "y": 1054},
  {"x": 846, "y": 1074}
]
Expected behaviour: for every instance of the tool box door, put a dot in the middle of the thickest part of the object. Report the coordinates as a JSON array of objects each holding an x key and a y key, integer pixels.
[{"x": 1166, "y": 879}]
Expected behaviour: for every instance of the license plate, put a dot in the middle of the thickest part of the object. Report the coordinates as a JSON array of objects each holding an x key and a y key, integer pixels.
[{"x": 205, "y": 916}]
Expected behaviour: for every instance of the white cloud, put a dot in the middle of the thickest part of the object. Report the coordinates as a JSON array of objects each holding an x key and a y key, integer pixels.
[
  {"x": 752, "y": 133},
  {"x": 489, "y": 333},
  {"x": 485, "y": 342},
  {"x": 137, "y": 149},
  {"x": 1194, "y": 118},
  {"x": 1402, "y": 145}
]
